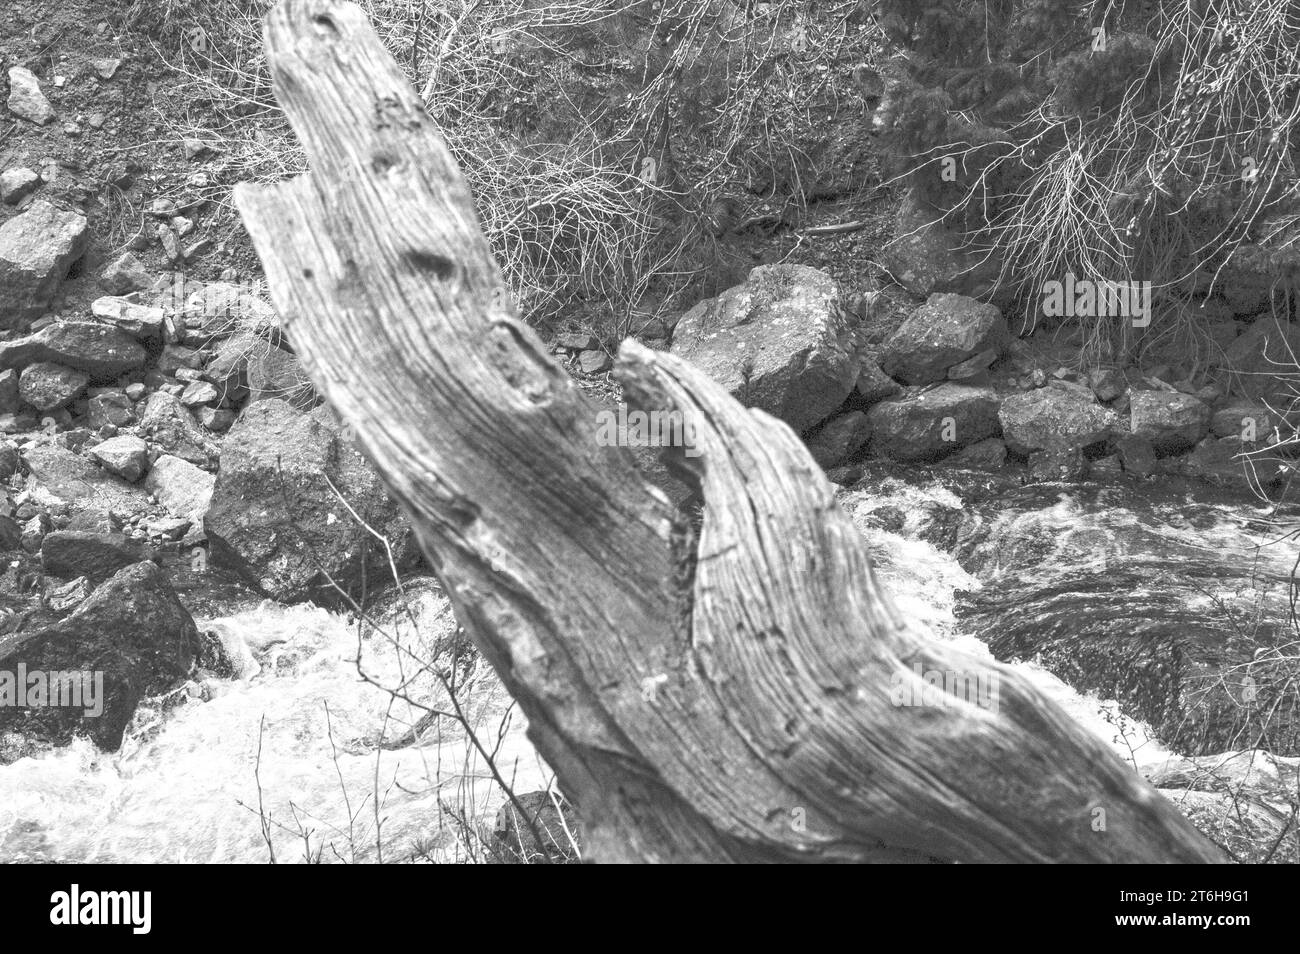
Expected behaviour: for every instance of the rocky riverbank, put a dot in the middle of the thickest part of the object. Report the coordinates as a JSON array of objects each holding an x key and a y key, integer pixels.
[{"x": 177, "y": 499}]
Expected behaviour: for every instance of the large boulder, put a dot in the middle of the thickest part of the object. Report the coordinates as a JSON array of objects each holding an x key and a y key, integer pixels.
[
  {"x": 839, "y": 439},
  {"x": 779, "y": 342},
  {"x": 943, "y": 332},
  {"x": 47, "y": 386},
  {"x": 96, "y": 555},
  {"x": 132, "y": 632},
  {"x": 1228, "y": 462},
  {"x": 61, "y": 479},
  {"x": 37, "y": 248},
  {"x": 1170, "y": 420},
  {"x": 275, "y": 517},
  {"x": 926, "y": 256},
  {"x": 102, "y": 351},
  {"x": 183, "y": 489},
  {"x": 1246, "y": 420},
  {"x": 1261, "y": 361},
  {"x": 1053, "y": 419},
  {"x": 165, "y": 421},
  {"x": 929, "y": 423}
]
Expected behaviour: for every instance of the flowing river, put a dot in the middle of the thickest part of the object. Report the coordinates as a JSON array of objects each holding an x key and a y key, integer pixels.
[{"x": 1158, "y": 616}]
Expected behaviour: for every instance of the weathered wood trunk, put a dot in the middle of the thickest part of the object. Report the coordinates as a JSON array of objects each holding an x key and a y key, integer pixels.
[{"x": 736, "y": 703}]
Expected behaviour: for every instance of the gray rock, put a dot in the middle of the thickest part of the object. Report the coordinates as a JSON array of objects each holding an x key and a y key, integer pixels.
[
  {"x": 1170, "y": 420},
  {"x": 125, "y": 274},
  {"x": 94, "y": 521},
  {"x": 274, "y": 374},
  {"x": 69, "y": 554},
  {"x": 929, "y": 423},
  {"x": 275, "y": 518},
  {"x": 533, "y": 815},
  {"x": 125, "y": 455},
  {"x": 101, "y": 351},
  {"x": 142, "y": 322},
  {"x": 925, "y": 256},
  {"x": 113, "y": 408},
  {"x": 105, "y": 66},
  {"x": 594, "y": 362},
  {"x": 47, "y": 386},
  {"x": 169, "y": 528},
  {"x": 64, "y": 474},
  {"x": 1258, "y": 360},
  {"x": 1137, "y": 455},
  {"x": 33, "y": 532},
  {"x": 199, "y": 392},
  {"x": 194, "y": 148},
  {"x": 10, "y": 458},
  {"x": 198, "y": 249},
  {"x": 873, "y": 384},
  {"x": 37, "y": 247},
  {"x": 217, "y": 420},
  {"x": 988, "y": 454},
  {"x": 170, "y": 243},
  {"x": 163, "y": 208},
  {"x": 228, "y": 367},
  {"x": 20, "y": 423},
  {"x": 182, "y": 488},
  {"x": 1107, "y": 383},
  {"x": 132, "y": 629},
  {"x": 17, "y": 184},
  {"x": 1245, "y": 420},
  {"x": 1248, "y": 281},
  {"x": 218, "y": 310},
  {"x": 1108, "y": 466},
  {"x": 170, "y": 425},
  {"x": 26, "y": 101},
  {"x": 839, "y": 439},
  {"x": 1058, "y": 463},
  {"x": 174, "y": 357},
  {"x": 577, "y": 341},
  {"x": 945, "y": 331},
  {"x": 779, "y": 342},
  {"x": 1054, "y": 419},
  {"x": 64, "y": 599},
  {"x": 10, "y": 399},
  {"x": 973, "y": 367},
  {"x": 1227, "y": 462}
]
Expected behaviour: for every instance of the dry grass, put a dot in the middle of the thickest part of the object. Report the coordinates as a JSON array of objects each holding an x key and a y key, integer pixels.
[
  {"x": 596, "y": 135},
  {"x": 1163, "y": 185}
]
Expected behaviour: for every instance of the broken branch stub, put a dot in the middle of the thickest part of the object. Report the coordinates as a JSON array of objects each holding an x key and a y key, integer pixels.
[{"x": 761, "y": 724}]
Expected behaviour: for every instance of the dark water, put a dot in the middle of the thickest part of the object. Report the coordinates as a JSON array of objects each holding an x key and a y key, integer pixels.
[{"x": 1171, "y": 598}]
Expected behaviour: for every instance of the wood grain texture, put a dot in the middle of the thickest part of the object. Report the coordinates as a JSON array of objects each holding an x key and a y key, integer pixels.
[{"x": 761, "y": 728}]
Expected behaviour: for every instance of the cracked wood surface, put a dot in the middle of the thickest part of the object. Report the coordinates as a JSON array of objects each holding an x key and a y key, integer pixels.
[{"x": 765, "y": 729}]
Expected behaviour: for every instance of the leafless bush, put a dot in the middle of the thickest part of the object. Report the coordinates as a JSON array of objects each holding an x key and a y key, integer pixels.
[{"x": 593, "y": 201}]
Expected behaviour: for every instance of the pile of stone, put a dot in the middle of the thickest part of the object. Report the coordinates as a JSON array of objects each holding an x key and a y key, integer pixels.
[{"x": 951, "y": 383}]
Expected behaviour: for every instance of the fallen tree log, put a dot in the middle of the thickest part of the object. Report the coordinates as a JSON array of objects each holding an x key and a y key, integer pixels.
[{"x": 727, "y": 696}]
